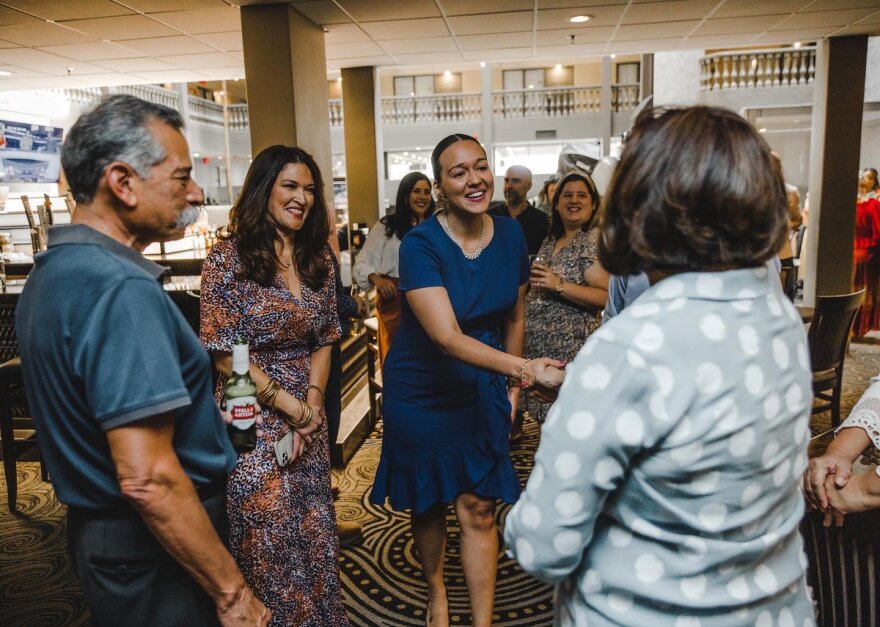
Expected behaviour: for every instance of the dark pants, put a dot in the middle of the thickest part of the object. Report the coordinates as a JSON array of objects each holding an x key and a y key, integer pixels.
[
  {"x": 333, "y": 396},
  {"x": 127, "y": 577}
]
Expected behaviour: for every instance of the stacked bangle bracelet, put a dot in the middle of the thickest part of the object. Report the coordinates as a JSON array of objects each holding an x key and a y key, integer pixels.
[
  {"x": 268, "y": 394},
  {"x": 304, "y": 420},
  {"x": 320, "y": 391}
]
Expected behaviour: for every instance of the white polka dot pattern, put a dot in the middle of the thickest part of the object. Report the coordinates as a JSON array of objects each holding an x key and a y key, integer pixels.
[
  {"x": 595, "y": 377},
  {"x": 567, "y": 543},
  {"x": 708, "y": 378},
  {"x": 569, "y": 503},
  {"x": 713, "y": 327},
  {"x": 649, "y": 569},
  {"x": 749, "y": 340},
  {"x": 567, "y": 465},
  {"x": 630, "y": 428},
  {"x": 581, "y": 425},
  {"x": 709, "y": 285},
  {"x": 649, "y": 339}
]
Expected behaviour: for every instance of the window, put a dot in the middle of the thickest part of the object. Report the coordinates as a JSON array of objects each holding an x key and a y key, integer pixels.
[
  {"x": 542, "y": 157},
  {"x": 628, "y": 73},
  {"x": 400, "y": 163}
]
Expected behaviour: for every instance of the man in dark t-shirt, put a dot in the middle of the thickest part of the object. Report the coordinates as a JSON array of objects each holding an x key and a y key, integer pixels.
[{"x": 534, "y": 222}]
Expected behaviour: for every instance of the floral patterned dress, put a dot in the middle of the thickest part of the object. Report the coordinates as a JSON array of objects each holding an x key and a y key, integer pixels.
[
  {"x": 282, "y": 522},
  {"x": 556, "y": 327}
]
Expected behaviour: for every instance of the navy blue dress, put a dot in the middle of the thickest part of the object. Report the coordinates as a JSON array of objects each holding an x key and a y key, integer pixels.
[{"x": 446, "y": 423}]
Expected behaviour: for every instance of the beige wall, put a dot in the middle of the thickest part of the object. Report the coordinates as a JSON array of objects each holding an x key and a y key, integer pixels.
[
  {"x": 472, "y": 82},
  {"x": 334, "y": 89},
  {"x": 386, "y": 85}
]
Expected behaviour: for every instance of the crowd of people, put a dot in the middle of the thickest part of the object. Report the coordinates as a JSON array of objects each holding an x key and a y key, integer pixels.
[{"x": 666, "y": 487}]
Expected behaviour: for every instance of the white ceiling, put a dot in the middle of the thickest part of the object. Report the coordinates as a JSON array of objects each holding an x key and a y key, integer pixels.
[{"x": 89, "y": 43}]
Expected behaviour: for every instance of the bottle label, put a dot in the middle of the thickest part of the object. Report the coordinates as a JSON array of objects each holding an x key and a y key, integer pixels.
[{"x": 243, "y": 410}]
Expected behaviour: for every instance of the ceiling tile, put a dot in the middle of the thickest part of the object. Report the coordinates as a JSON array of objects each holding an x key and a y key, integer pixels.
[
  {"x": 823, "y": 18},
  {"x": 9, "y": 17},
  {"x": 223, "y": 73},
  {"x": 874, "y": 18},
  {"x": 433, "y": 57},
  {"x": 17, "y": 72},
  {"x": 675, "y": 10},
  {"x": 492, "y": 23},
  {"x": 791, "y": 36},
  {"x": 430, "y": 27},
  {"x": 585, "y": 36},
  {"x": 7, "y": 44},
  {"x": 718, "y": 41},
  {"x": 654, "y": 32},
  {"x": 859, "y": 29},
  {"x": 92, "y": 51},
  {"x": 144, "y": 64},
  {"x": 747, "y": 8},
  {"x": 501, "y": 40},
  {"x": 739, "y": 25},
  {"x": 361, "y": 61},
  {"x": 198, "y": 61},
  {"x": 829, "y": 5},
  {"x": 644, "y": 46},
  {"x": 228, "y": 42},
  {"x": 558, "y": 18},
  {"x": 171, "y": 76},
  {"x": 469, "y": 7},
  {"x": 497, "y": 54},
  {"x": 158, "y": 46},
  {"x": 344, "y": 33},
  {"x": 121, "y": 28},
  {"x": 59, "y": 10},
  {"x": 577, "y": 4},
  {"x": 203, "y": 21},
  {"x": 38, "y": 33},
  {"x": 422, "y": 45},
  {"x": 575, "y": 52},
  {"x": 400, "y": 9},
  {"x": 354, "y": 49},
  {"x": 322, "y": 13},
  {"x": 155, "y": 6}
]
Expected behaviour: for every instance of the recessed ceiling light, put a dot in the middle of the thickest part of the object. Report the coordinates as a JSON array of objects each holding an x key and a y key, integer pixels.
[
  {"x": 447, "y": 73},
  {"x": 577, "y": 19},
  {"x": 531, "y": 86},
  {"x": 195, "y": 154},
  {"x": 482, "y": 64},
  {"x": 797, "y": 44},
  {"x": 613, "y": 56},
  {"x": 558, "y": 66},
  {"x": 762, "y": 130},
  {"x": 339, "y": 79},
  {"x": 5, "y": 73}
]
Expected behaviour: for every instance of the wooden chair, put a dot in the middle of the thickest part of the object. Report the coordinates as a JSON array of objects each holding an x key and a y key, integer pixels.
[
  {"x": 788, "y": 278},
  {"x": 828, "y": 337},
  {"x": 17, "y": 434}
]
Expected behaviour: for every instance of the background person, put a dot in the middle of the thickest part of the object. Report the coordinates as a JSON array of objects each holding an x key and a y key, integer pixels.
[
  {"x": 866, "y": 254},
  {"x": 569, "y": 290},
  {"x": 544, "y": 201},
  {"x": 270, "y": 280},
  {"x": 517, "y": 183},
  {"x": 120, "y": 388},
  {"x": 377, "y": 262},
  {"x": 665, "y": 488},
  {"x": 446, "y": 409}
]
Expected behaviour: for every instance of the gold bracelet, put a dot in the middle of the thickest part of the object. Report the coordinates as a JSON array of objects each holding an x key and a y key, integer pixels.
[
  {"x": 269, "y": 393},
  {"x": 304, "y": 420},
  {"x": 522, "y": 374},
  {"x": 560, "y": 286},
  {"x": 320, "y": 391}
]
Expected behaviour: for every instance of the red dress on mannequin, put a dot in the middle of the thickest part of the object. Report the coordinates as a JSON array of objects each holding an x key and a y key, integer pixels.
[{"x": 866, "y": 263}]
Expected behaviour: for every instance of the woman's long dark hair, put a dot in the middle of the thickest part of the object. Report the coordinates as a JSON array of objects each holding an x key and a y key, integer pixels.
[
  {"x": 400, "y": 222},
  {"x": 255, "y": 232},
  {"x": 556, "y": 227}
]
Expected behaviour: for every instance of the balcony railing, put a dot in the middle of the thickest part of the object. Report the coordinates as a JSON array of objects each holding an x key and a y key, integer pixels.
[
  {"x": 437, "y": 108},
  {"x": 151, "y": 93},
  {"x": 625, "y": 96},
  {"x": 562, "y": 101},
  {"x": 781, "y": 67}
]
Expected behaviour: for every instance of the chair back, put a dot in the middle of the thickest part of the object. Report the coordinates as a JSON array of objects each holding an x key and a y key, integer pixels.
[
  {"x": 788, "y": 278},
  {"x": 8, "y": 341},
  {"x": 829, "y": 330}
]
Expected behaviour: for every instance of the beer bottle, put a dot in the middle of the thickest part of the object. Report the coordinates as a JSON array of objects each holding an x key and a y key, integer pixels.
[{"x": 241, "y": 400}]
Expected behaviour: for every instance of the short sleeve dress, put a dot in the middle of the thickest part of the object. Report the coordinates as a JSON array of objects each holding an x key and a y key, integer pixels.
[
  {"x": 282, "y": 525},
  {"x": 446, "y": 423}
]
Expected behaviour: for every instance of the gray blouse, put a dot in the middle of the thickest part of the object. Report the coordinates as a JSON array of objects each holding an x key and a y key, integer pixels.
[{"x": 665, "y": 489}]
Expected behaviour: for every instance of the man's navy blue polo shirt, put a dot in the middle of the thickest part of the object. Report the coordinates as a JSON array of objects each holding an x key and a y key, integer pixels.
[{"x": 103, "y": 346}]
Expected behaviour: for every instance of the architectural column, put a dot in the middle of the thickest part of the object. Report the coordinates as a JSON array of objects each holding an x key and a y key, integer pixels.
[
  {"x": 364, "y": 161},
  {"x": 605, "y": 112},
  {"x": 838, "y": 99},
  {"x": 487, "y": 110},
  {"x": 646, "y": 88},
  {"x": 183, "y": 105},
  {"x": 286, "y": 70}
]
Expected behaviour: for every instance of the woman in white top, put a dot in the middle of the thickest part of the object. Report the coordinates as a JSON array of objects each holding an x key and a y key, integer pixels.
[{"x": 377, "y": 262}]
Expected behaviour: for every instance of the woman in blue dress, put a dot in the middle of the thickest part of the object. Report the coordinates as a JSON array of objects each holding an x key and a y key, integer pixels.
[{"x": 447, "y": 405}]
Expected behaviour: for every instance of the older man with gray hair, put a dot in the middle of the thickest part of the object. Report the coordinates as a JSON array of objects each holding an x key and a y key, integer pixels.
[{"x": 120, "y": 388}]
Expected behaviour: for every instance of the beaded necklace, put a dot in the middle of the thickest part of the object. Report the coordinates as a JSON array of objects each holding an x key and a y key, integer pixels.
[{"x": 448, "y": 230}]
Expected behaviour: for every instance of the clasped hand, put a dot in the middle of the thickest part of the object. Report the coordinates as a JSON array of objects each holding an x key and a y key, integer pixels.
[
  {"x": 543, "y": 376},
  {"x": 830, "y": 486}
]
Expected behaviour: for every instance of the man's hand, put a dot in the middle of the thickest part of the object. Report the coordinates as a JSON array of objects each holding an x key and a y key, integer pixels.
[
  {"x": 855, "y": 497},
  {"x": 545, "y": 372},
  {"x": 245, "y": 611}
]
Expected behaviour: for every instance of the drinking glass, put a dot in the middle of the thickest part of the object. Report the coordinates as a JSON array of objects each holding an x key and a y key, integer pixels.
[{"x": 538, "y": 259}]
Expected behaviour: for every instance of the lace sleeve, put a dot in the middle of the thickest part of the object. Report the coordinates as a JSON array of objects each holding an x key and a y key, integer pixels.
[{"x": 866, "y": 415}]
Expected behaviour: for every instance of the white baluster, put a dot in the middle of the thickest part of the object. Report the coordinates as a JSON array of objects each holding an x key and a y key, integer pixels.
[
  {"x": 725, "y": 73},
  {"x": 734, "y": 71},
  {"x": 703, "y": 73},
  {"x": 811, "y": 70}
]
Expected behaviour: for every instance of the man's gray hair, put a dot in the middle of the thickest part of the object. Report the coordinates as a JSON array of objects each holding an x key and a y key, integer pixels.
[{"x": 115, "y": 130}]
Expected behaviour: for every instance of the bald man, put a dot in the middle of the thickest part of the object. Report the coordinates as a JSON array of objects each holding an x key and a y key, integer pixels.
[{"x": 534, "y": 222}]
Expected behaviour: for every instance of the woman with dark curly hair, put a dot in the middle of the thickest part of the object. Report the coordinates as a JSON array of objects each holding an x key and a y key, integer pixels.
[
  {"x": 666, "y": 486},
  {"x": 270, "y": 281},
  {"x": 377, "y": 262}
]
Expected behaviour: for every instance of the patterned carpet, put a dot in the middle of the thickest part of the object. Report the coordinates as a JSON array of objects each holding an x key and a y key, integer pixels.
[{"x": 381, "y": 577}]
